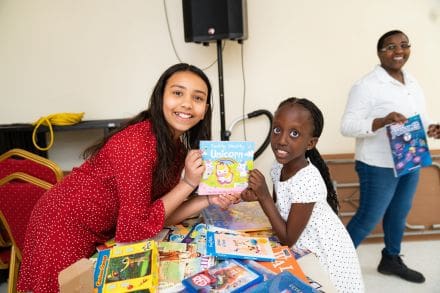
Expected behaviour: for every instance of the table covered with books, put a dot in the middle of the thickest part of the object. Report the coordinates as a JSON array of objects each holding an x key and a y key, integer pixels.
[{"x": 230, "y": 250}]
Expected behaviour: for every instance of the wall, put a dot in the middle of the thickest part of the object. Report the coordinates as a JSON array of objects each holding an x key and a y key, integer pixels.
[{"x": 104, "y": 56}]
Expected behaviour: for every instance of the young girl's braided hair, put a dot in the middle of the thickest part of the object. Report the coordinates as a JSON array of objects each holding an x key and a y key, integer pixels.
[{"x": 313, "y": 154}]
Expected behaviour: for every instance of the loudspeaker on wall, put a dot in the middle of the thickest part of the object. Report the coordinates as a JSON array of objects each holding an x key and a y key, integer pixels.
[{"x": 210, "y": 20}]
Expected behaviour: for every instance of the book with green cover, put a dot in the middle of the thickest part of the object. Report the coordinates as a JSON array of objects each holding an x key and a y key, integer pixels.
[{"x": 127, "y": 268}]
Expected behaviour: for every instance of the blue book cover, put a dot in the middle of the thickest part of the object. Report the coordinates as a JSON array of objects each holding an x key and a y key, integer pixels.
[
  {"x": 227, "y": 165},
  {"x": 225, "y": 244},
  {"x": 227, "y": 276},
  {"x": 409, "y": 146},
  {"x": 284, "y": 282}
]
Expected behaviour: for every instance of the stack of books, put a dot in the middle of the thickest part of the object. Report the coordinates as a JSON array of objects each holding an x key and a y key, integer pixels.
[{"x": 229, "y": 250}]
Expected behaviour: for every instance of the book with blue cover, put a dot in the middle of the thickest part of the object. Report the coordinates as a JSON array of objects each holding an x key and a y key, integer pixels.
[
  {"x": 227, "y": 165},
  {"x": 226, "y": 276},
  {"x": 284, "y": 282},
  {"x": 409, "y": 146},
  {"x": 226, "y": 244}
]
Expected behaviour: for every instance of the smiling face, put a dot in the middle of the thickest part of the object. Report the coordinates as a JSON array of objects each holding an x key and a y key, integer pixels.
[
  {"x": 394, "y": 53},
  {"x": 292, "y": 137},
  {"x": 184, "y": 101}
]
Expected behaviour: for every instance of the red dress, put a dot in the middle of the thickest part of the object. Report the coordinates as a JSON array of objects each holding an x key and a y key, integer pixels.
[{"x": 110, "y": 195}]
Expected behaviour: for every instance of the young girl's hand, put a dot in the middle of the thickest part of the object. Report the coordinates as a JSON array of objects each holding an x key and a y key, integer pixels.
[
  {"x": 248, "y": 195},
  {"x": 257, "y": 184},
  {"x": 194, "y": 167},
  {"x": 224, "y": 200}
]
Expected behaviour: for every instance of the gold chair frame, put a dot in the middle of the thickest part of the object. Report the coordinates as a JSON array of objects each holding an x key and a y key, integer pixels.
[{"x": 16, "y": 254}]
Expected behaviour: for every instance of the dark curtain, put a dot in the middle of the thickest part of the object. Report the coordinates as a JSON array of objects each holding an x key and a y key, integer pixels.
[{"x": 22, "y": 139}]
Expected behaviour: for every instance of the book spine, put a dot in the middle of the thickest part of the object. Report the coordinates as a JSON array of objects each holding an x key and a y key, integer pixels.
[{"x": 101, "y": 270}]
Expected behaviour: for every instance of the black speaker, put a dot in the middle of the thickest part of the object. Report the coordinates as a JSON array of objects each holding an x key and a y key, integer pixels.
[{"x": 210, "y": 20}]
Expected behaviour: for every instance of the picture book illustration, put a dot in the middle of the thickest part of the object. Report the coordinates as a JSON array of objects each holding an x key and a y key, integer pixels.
[
  {"x": 226, "y": 276},
  {"x": 127, "y": 268},
  {"x": 244, "y": 216},
  {"x": 227, "y": 165},
  {"x": 178, "y": 261},
  {"x": 285, "y": 261},
  {"x": 409, "y": 146},
  {"x": 226, "y": 245}
]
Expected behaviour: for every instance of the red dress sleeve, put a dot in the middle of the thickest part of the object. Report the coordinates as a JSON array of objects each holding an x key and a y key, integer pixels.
[{"x": 132, "y": 154}]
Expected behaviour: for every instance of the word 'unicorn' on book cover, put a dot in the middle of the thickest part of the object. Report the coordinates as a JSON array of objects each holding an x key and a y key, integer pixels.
[{"x": 227, "y": 166}]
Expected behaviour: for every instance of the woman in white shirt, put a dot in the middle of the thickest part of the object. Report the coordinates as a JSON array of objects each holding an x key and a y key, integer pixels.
[{"x": 388, "y": 94}]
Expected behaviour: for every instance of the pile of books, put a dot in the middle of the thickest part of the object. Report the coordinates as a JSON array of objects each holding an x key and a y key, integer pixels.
[
  {"x": 229, "y": 250},
  {"x": 198, "y": 257}
]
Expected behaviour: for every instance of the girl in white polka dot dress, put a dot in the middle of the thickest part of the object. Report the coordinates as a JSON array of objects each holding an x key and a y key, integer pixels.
[{"x": 303, "y": 209}]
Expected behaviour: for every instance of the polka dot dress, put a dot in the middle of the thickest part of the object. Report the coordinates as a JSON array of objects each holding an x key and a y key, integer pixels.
[
  {"x": 107, "y": 196},
  {"x": 324, "y": 234}
]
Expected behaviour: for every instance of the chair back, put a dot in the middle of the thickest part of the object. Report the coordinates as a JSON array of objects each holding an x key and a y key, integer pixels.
[{"x": 24, "y": 178}]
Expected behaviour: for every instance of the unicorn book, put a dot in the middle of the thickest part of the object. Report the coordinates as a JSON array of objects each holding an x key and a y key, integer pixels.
[{"x": 227, "y": 165}]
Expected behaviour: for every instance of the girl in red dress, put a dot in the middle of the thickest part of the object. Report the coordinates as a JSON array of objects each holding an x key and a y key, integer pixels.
[{"x": 131, "y": 184}]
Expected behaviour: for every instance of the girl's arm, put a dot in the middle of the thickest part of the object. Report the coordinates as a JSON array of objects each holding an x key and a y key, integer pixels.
[
  {"x": 194, "y": 169},
  {"x": 193, "y": 206},
  {"x": 288, "y": 233},
  {"x": 177, "y": 208}
]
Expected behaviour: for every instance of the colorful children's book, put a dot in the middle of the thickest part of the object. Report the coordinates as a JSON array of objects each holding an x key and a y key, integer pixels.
[
  {"x": 227, "y": 276},
  {"x": 284, "y": 282},
  {"x": 229, "y": 244},
  {"x": 285, "y": 261},
  {"x": 259, "y": 268},
  {"x": 227, "y": 164},
  {"x": 244, "y": 216},
  {"x": 409, "y": 146},
  {"x": 127, "y": 268},
  {"x": 179, "y": 261}
]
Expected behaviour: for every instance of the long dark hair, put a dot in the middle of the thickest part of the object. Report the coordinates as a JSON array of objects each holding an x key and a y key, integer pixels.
[
  {"x": 166, "y": 147},
  {"x": 313, "y": 154}
]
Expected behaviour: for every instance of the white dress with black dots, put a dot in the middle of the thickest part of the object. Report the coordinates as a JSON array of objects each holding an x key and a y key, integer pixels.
[{"x": 324, "y": 234}]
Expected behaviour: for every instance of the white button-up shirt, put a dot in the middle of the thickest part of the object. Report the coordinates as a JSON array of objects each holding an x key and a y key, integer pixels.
[{"x": 375, "y": 96}]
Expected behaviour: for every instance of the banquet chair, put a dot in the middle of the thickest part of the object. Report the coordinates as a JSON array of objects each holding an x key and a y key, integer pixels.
[{"x": 24, "y": 177}]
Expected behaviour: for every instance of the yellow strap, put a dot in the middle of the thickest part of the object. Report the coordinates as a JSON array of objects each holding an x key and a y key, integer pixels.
[{"x": 58, "y": 119}]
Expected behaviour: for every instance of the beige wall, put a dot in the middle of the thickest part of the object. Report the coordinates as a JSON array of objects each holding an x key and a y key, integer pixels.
[{"x": 103, "y": 57}]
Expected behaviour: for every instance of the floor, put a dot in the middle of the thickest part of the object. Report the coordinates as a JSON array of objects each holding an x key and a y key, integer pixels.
[{"x": 420, "y": 255}]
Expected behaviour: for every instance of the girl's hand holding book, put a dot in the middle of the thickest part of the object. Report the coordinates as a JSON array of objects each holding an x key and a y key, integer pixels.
[{"x": 194, "y": 167}]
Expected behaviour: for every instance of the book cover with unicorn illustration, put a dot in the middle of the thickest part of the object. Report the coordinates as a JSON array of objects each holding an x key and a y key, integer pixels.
[{"x": 227, "y": 166}]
